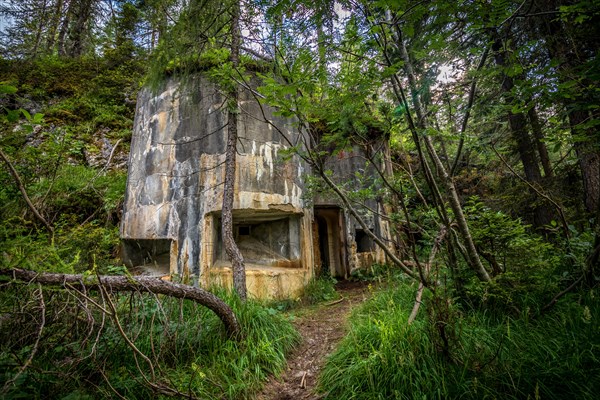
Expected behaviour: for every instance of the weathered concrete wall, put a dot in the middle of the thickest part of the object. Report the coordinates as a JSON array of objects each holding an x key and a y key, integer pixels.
[{"x": 176, "y": 172}]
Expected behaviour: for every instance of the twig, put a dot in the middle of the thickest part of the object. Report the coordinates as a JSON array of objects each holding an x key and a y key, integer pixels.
[
  {"x": 112, "y": 152},
  {"x": 335, "y": 302},
  {"x": 438, "y": 240},
  {"x": 35, "y": 346},
  {"x": 115, "y": 317},
  {"x": 137, "y": 284},
  {"x": 303, "y": 381},
  {"x": 21, "y": 187},
  {"x": 465, "y": 121},
  {"x": 119, "y": 395},
  {"x": 561, "y": 294}
]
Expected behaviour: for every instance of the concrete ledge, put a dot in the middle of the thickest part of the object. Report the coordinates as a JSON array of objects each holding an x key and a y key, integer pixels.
[{"x": 264, "y": 282}]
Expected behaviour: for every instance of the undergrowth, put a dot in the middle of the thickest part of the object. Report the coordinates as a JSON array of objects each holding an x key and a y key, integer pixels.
[
  {"x": 319, "y": 290},
  {"x": 82, "y": 355},
  {"x": 555, "y": 356}
]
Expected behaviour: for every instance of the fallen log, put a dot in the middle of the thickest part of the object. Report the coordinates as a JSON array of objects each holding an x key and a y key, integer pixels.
[{"x": 133, "y": 284}]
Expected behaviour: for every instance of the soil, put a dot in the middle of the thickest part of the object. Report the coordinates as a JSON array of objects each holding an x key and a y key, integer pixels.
[{"x": 321, "y": 328}]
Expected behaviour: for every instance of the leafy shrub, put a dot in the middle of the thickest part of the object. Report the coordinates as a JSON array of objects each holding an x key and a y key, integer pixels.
[{"x": 523, "y": 263}]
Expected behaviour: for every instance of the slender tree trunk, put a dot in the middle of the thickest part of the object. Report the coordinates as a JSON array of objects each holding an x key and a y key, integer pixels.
[
  {"x": 231, "y": 248},
  {"x": 465, "y": 121},
  {"x": 538, "y": 135},
  {"x": 40, "y": 30},
  {"x": 589, "y": 159},
  {"x": 54, "y": 25},
  {"x": 77, "y": 34},
  {"x": 64, "y": 28},
  {"x": 570, "y": 54},
  {"x": 473, "y": 257}
]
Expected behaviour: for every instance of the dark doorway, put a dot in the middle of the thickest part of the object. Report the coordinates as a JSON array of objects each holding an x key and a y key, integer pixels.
[
  {"x": 332, "y": 241},
  {"x": 323, "y": 261}
]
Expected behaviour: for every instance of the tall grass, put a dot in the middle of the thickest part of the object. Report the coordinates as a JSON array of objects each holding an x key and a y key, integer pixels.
[
  {"x": 186, "y": 343},
  {"x": 554, "y": 357}
]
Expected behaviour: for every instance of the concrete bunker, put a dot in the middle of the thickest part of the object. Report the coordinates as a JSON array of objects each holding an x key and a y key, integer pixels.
[{"x": 172, "y": 208}]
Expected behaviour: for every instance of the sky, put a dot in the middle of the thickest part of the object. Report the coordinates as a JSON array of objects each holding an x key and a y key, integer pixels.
[{"x": 4, "y": 21}]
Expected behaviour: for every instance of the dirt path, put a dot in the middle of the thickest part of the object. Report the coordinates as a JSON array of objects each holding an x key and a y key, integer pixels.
[{"x": 321, "y": 329}]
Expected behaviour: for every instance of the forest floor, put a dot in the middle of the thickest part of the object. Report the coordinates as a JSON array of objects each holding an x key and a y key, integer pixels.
[{"x": 321, "y": 328}]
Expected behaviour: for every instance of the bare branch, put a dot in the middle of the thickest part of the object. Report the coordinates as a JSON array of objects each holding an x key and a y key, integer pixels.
[
  {"x": 35, "y": 345},
  {"x": 19, "y": 182}
]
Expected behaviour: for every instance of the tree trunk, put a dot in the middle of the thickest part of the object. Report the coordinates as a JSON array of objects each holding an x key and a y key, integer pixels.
[
  {"x": 542, "y": 215},
  {"x": 571, "y": 53},
  {"x": 473, "y": 257},
  {"x": 133, "y": 284},
  {"x": 40, "y": 30},
  {"x": 77, "y": 34},
  {"x": 53, "y": 28},
  {"x": 64, "y": 28},
  {"x": 231, "y": 248},
  {"x": 538, "y": 136},
  {"x": 588, "y": 155}
]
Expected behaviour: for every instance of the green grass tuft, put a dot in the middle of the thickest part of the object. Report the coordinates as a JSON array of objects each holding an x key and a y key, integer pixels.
[{"x": 319, "y": 290}]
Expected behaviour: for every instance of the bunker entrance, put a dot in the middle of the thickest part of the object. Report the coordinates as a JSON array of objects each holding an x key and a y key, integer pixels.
[
  {"x": 331, "y": 256},
  {"x": 264, "y": 239},
  {"x": 147, "y": 256}
]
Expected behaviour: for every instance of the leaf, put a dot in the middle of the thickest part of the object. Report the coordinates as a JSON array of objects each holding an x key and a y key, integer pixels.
[
  {"x": 25, "y": 113},
  {"x": 38, "y": 118},
  {"x": 13, "y": 115},
  {"x": 7, "y": 89},
  {"x": 399, "y": 111}
]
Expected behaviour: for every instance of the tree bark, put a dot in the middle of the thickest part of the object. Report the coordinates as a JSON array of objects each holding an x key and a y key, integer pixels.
[
  {"x": 571, "y": 51},
  {"x": 538, "y": 136},
  {"x": 589, "y": 159},
  {"x": 64, "y": 28},
  {"x": 77, "y": 33},
  {"x": 40, "y": 30},
  {"x": 134, "y": 284},
  {"x": 231, "y": 249},
  {"x": 54, "y": 23},
  {"x": 517, "y": 122}
]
